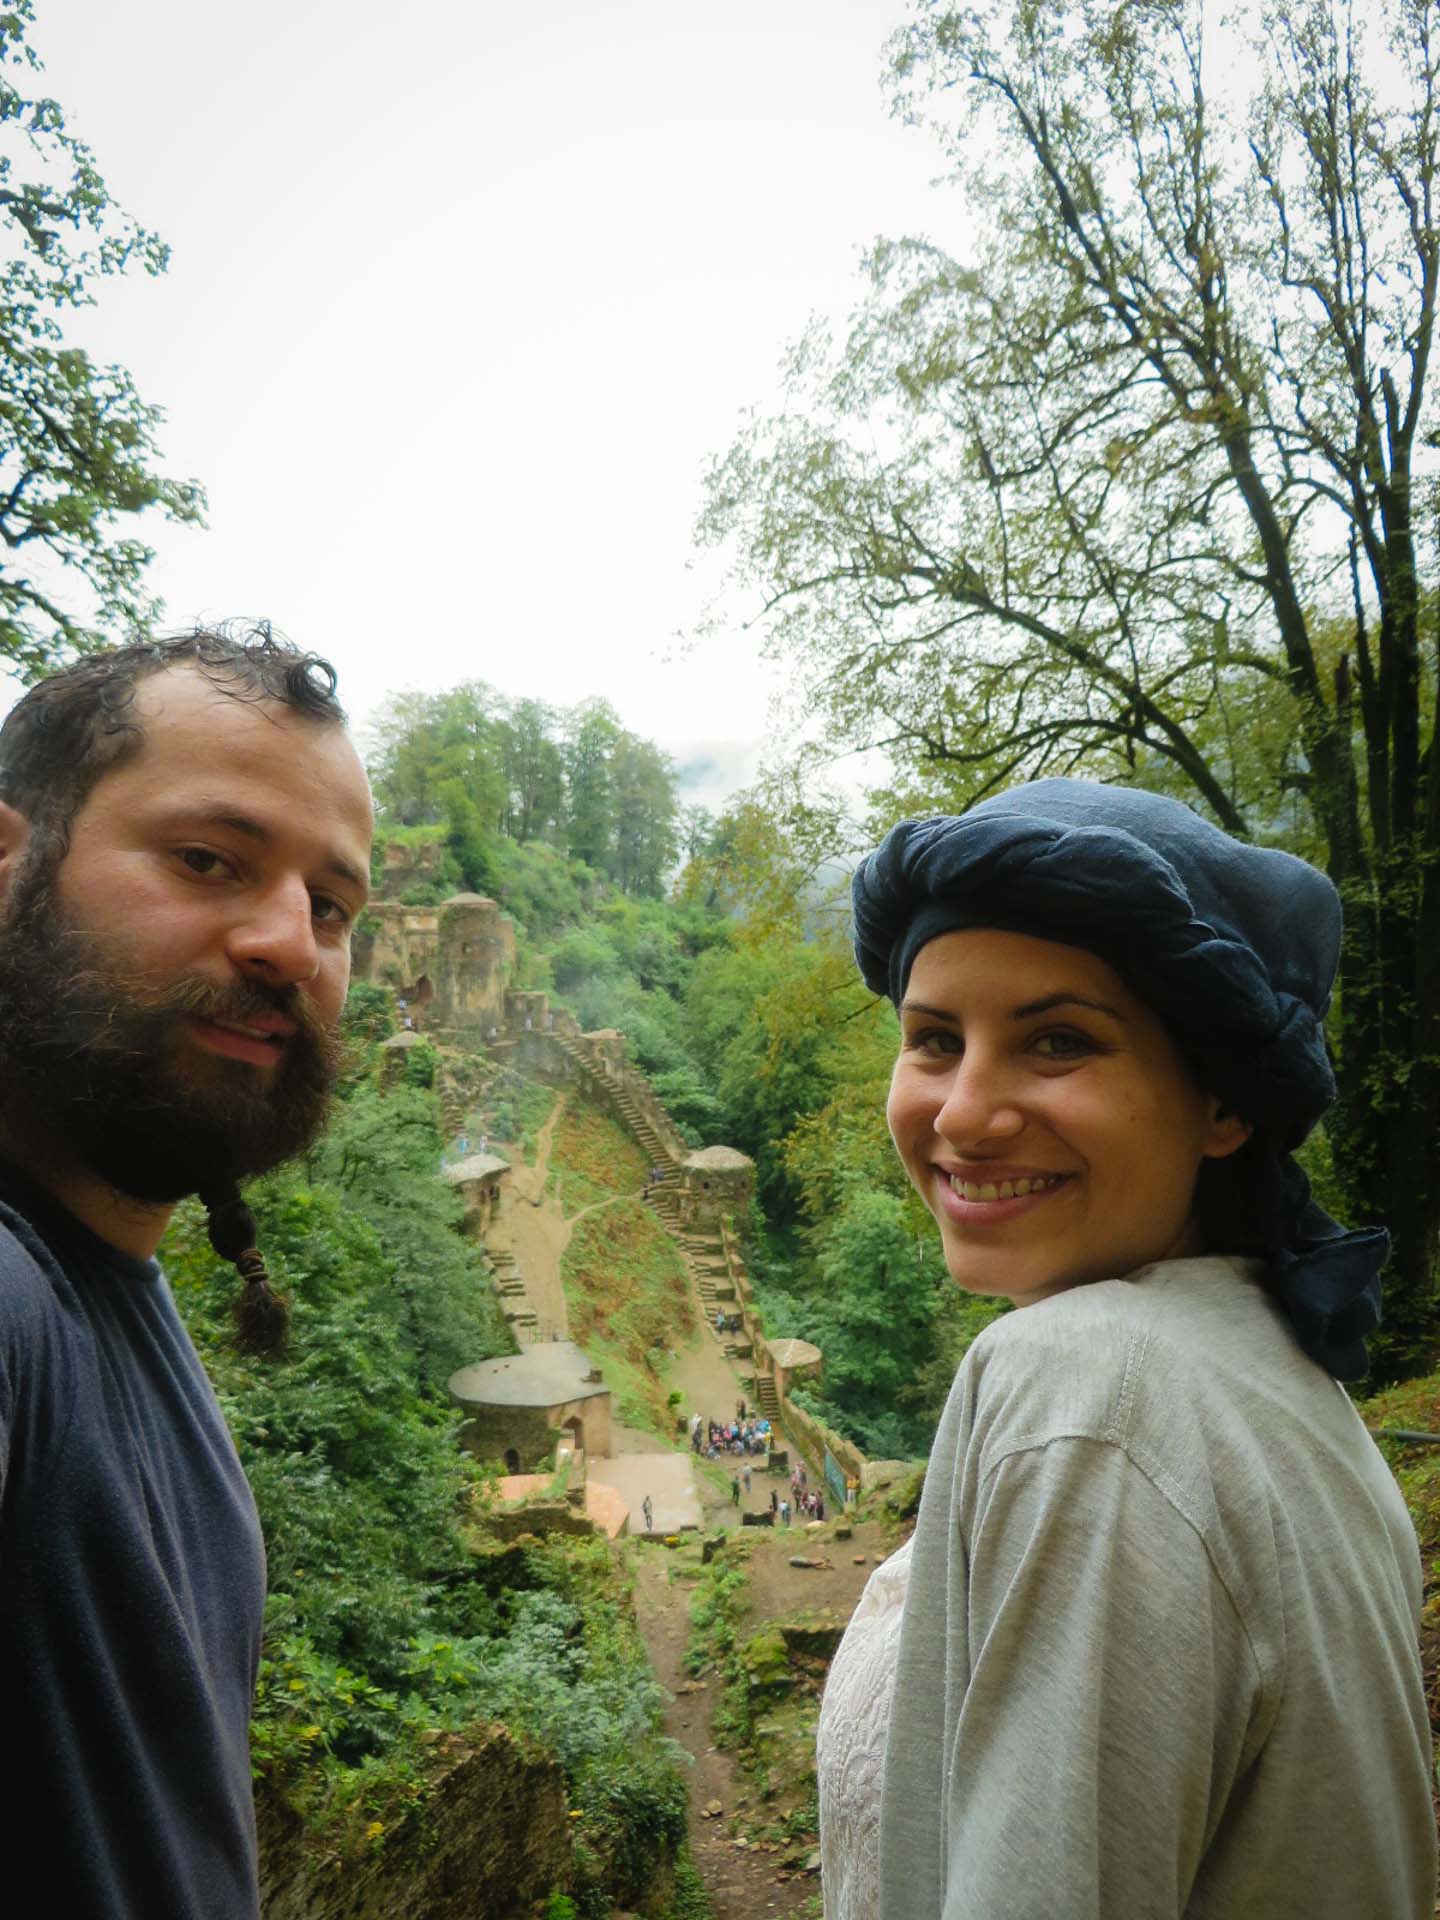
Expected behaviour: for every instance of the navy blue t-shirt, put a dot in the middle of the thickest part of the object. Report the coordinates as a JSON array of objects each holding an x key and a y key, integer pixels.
[{"x": 132, "y": 1585}]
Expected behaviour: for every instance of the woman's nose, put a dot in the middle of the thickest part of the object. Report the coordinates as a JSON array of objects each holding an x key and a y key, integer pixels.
[{"x": 979, "y": 1104}]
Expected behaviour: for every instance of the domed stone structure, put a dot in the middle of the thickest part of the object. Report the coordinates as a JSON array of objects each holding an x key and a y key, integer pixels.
[{"x": 518, "y": 1407}]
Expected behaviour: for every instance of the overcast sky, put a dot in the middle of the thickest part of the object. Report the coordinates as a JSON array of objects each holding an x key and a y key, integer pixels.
[{"x": 463, "y": 295}]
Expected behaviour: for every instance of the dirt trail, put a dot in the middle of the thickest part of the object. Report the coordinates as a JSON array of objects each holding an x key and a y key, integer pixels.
[
  {"x": 763, "y": 1876},
  {"x": 534, "y": 1230}
]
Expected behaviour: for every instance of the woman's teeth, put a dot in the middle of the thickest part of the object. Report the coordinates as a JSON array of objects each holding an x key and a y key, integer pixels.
[{"x": 1005, "y": 1190}]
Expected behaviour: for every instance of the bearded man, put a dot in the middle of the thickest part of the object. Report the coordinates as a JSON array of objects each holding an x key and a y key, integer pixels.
[{"x": 184, "y": 848}]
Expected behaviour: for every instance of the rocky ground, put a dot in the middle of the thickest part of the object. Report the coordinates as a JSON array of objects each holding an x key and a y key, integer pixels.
[{"x": 752, "y": 1824}]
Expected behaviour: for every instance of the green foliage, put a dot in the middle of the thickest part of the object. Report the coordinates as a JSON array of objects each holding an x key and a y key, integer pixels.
[
  {"x": 422, "y": 1063},
  {"x": 77, "y": 442},
  {"x": 369, "y": 1014},
  {"x": 382, "y": 1626},
  {"x": 509, "y": 776}
]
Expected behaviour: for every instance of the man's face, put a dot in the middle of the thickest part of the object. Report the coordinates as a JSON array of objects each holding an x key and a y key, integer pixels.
[{"x": 170, "y": 990}]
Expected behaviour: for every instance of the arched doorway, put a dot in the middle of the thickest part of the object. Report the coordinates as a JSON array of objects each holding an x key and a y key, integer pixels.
[{"x": 512, "y": 1460}]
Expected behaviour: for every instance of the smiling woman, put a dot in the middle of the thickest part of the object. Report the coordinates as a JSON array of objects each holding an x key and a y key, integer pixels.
[{"x": 1159, "y": 1565}]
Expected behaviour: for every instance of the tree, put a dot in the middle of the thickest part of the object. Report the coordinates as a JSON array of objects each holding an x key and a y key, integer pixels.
[
  {"x": 534, "y": 772},
  {"x": 77, "y": 443},
  {"x": 1141, "y": 479},
  {"x": 644, "y": 836},
  {"x": 592, "y": 730}
]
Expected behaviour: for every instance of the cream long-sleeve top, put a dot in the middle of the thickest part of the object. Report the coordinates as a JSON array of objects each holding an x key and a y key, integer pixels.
[{"x": 1158, "y": 1654}]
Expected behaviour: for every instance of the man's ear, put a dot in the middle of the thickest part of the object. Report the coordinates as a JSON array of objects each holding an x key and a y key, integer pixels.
[
  {"x": 14, "y": 838},
  {"x": 1226, "y": 1132}
]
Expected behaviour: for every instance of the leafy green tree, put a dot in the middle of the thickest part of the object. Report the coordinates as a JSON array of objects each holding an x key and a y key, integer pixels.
[
  {"x": 423, "y": 741},
  {"x": 592, "y": 731},
  {"x": 1141, "y": 473},
  {"x": 466, "y": 841},
  {"x": 77, "y": 442},
  {"x": 644, "y": 834},
  {"x": 534, "y": 772}
]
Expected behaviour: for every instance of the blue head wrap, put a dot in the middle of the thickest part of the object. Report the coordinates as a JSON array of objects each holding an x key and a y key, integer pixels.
[{"x": 1234, "y": 946}]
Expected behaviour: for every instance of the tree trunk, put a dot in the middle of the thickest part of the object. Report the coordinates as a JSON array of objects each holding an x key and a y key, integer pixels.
[{"x": 1387, "y": 1117}]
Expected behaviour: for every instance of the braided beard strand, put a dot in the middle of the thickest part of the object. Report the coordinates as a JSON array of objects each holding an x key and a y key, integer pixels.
[{"x": 98, "y": 1070}]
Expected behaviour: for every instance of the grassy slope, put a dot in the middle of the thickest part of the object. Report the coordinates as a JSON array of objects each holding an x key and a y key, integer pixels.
[
  {"x": 625, "y": 1284},
  {"x": 1416, "y": 1407}
]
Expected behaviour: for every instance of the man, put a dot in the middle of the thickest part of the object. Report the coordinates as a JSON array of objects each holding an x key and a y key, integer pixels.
[{"x": 184, "y": 848}]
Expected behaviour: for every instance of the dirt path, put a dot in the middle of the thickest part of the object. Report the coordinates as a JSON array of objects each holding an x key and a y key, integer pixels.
[
  {"x": 533, "y": 1230},
  {"x": 749, "y": 1875}
]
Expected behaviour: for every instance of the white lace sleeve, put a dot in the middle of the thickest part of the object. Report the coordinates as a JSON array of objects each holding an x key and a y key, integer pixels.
[{"x": 850, "y": 1744}]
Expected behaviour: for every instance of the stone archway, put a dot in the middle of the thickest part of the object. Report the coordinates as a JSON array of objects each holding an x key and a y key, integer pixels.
[{"x": 512, "y": 1461}]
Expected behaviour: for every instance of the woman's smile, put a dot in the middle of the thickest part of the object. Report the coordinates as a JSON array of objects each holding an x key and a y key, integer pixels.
[{"x": 990, "y": 1197}]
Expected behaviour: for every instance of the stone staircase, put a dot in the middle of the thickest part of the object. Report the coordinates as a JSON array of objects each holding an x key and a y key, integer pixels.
[
  {"x": 704, "y": 1256},
  {"x": 702, "y": 1250},
  {"x": 613, "y": 1085},
  {"x": 510, "y": 1287},
  {"x": 766, "y": 1398}
]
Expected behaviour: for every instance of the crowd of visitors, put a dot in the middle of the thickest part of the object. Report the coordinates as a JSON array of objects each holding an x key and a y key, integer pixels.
[{"x": 743, "y": 1435}]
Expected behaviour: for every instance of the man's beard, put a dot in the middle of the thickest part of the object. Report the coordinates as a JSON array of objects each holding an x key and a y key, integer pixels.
[{"x": 99, "y": 1072}]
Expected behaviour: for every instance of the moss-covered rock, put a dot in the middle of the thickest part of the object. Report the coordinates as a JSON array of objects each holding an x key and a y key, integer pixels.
[
  {"x": 765, "y": 1662},
  {"x": 489, "y": 1833}
]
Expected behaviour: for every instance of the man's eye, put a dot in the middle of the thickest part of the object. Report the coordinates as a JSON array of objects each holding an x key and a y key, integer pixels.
[
  {"x": 202, "y": 860},
  {"x": 329, "y": 911}
]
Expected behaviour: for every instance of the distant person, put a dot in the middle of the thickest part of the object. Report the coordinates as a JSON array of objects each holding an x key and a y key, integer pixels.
[
  {"x": 735, "y": 1489},
  {"x": 649, "y": 1512},
  {"x": 784, "y": 1513},
  {"x": 185, "y": 837},
  {"x": 1152, "y": 1648},
  {"x": 745, "y": 1476}
]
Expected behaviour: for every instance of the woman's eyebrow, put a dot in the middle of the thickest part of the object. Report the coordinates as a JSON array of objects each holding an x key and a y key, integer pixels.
[
  {"x": 1032, "y": 1007},
  {"x": 1027, "y": 1012}
]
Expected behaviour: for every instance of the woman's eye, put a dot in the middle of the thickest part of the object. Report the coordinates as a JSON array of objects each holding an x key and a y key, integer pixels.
[
  {"x": 935, "y": 1040},
  {"x": 1062, "y": 1043}
]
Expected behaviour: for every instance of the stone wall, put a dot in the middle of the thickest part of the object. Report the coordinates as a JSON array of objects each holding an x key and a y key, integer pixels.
[
  {"x": 493, "y": 1838},
  {"x": 407, "y": 865},
  {"x": 453, "y": 962}
]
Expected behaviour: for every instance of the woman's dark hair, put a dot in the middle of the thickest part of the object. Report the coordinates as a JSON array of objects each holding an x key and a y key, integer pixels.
[
  {"x": 79, "y": 723},
  {"x": 1240, "y": 1200}
]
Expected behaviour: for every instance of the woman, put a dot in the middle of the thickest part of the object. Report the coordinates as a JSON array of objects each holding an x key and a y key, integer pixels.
[{"x": 1152, "y": 1650}]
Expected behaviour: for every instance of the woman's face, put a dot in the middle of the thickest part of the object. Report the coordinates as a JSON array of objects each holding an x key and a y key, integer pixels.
[{"x": 1045, "y": 1116}]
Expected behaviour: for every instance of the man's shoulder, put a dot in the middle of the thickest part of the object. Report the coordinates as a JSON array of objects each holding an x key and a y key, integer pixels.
[{"x": 32, "y": 1279}]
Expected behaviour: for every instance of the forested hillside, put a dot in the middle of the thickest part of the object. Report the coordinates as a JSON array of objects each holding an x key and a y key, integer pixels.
[{"x": 732, "y": 980}]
